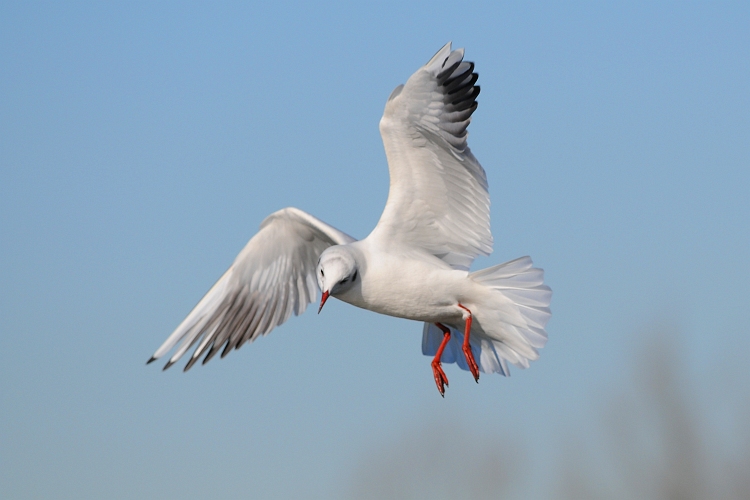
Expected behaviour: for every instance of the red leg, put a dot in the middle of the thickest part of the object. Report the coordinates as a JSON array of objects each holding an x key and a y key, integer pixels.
[
  {"x": 467, "y": 347},
  {"x": 441, "y": 380}
]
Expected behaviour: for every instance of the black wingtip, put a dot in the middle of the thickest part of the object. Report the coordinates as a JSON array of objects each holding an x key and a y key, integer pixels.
[
  {"x": 190, "y": 363},
  {"x": 169, "y": 363},
  {"x": 151, "y": 360}
]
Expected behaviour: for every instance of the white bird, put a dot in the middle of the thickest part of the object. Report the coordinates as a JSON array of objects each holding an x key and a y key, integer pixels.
[{"x": 413, "y": 265}]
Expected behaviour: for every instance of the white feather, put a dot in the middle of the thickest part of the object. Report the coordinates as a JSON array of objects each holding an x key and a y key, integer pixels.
[{"x": 509, "y": 327}]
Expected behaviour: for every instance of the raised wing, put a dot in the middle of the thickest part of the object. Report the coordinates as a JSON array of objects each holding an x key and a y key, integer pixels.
[
  {"x": 271, "y": 278},
  {"x": 438, "y": 198}
]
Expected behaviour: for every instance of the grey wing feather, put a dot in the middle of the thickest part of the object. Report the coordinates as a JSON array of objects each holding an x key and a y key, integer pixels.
[
  {"x": 271, "y": 278},
  {"x": 438, "y": 198}
]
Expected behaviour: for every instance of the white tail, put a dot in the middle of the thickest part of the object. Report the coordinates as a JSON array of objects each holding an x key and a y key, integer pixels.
[{"x": 509, "y": 326}]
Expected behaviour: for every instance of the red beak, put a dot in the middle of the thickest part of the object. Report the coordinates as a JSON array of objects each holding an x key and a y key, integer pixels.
[{"x": 323, "y": 301}]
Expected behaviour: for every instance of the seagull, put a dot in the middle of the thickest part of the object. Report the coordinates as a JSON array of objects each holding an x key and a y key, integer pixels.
[{"x": 414, "y": 264}]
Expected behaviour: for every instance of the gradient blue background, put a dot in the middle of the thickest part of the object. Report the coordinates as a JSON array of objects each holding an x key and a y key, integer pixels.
[{"x": 141, "y": 146}]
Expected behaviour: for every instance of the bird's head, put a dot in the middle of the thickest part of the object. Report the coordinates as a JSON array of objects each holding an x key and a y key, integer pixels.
[{"x": 337, "y": 272}]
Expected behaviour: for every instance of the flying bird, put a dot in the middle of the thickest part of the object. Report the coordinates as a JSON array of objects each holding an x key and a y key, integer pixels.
[{"x": 413, "y": 265}]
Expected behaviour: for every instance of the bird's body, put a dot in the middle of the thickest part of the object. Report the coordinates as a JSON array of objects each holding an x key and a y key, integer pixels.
[
  {"x": 415, "y": 262},
  {"x": 428, "y": 287}
]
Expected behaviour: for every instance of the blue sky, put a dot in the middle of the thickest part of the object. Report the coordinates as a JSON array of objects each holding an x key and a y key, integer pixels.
[{"x": 141, "y": 145}]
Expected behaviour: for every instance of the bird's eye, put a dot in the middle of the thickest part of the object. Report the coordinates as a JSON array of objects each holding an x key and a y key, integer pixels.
[
  {"x": 354, "y": 277},
  {"x": 322, "y": 273}
]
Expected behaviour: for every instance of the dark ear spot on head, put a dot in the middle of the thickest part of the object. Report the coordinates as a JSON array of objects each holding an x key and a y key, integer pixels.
[
  {"x": 322, "y": 273},
  {"x": 354, "y": 276}
]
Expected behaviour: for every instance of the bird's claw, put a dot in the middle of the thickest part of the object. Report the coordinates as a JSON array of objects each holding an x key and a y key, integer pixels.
[{"x": 441, "y": 379}]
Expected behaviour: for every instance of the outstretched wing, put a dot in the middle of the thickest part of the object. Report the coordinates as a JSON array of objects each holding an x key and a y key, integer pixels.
[
  {"x": 273, "y": 276},
  {"x": 438, "y": 198}
]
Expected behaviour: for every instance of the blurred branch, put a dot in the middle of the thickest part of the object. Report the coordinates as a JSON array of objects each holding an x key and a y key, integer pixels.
[
  {"x": 436, "y": 461},
  {"x": 656, "y": 440}
]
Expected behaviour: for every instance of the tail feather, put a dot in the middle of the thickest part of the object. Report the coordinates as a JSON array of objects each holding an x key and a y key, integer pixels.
[{"x": 508, "y": 330}]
